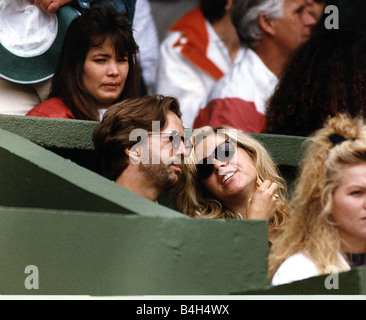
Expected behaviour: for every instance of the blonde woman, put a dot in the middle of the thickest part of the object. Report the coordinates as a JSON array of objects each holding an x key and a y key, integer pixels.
[
  {"x": 327, "y": 230},
  {"x": 230, "y": 175}
]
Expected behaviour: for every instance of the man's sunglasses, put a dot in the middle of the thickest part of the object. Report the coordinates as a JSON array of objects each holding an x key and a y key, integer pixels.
[
  {"x": 175, "y": 140},
  {"x": 224, "y": 152}
]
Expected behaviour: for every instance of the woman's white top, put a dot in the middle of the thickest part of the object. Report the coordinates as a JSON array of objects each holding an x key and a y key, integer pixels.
[
  {"x": 298, "y": 267},
  {"x": 101, "y": 113}
]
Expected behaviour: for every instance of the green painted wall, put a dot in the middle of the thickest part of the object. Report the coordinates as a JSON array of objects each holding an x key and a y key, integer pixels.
[{"x": 107, "y": 254}]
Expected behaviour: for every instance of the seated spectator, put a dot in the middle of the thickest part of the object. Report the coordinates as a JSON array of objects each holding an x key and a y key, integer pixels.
[
  {"x": 327, "y": 230},
  {"x": 230, "y": 175},
  {"x": 270, "y": 31},
  {"x": 96, "y": 68},
  {"x": 30, "y": 42},
  {"x": 326, "y": 76},
  {"x": 140, "y": 144},
  {"x": 200, "y": 49},
  {"x": 25, "y": 78}
]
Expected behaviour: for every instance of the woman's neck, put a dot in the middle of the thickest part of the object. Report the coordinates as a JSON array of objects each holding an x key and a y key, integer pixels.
[
  {"x": 239, "y": 203},
  {"x": 353, "y": 246}
]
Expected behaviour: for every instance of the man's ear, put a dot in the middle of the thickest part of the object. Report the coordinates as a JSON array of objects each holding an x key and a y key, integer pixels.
[
  {"x": 134, "y": 154},
  {"x": 266, "y": 24},
  {"x": 229, "y": 5}
]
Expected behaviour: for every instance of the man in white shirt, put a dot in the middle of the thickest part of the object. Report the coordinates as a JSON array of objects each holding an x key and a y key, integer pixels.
[
  {"x": 270, "y": 31},
  {"x": 200, "y": 49}
]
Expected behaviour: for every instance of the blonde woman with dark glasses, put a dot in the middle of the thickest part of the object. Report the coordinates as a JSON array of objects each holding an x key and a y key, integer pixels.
[{"x": 230, "y": 175}]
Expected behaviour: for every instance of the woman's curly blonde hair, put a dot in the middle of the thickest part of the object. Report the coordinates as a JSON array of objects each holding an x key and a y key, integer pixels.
[
  {"x": 311, "y": 229},
  {"x": 194, "y": 200}
]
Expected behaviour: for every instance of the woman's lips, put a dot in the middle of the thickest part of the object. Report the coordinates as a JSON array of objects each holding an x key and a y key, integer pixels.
[
  {"x": 225, "y": 178},
  {"x": 111, "y": 86}
]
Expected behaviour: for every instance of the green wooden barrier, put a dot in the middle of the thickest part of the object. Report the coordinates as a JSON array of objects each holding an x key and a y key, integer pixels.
[
  {"x": 103, "y": 254},
  {"x": 89, "y": 236},
  {"x": 346, "y": 283}
]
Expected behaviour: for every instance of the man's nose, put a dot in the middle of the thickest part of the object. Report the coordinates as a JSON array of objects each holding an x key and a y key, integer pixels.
[{"x": 308, "y": 19}]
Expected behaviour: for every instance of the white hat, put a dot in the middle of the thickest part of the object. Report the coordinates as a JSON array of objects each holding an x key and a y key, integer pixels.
[{"x": 30, "y": 40}]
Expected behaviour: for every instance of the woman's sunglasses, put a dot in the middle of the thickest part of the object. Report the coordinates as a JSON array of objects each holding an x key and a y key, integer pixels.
[
  {"x": 224, "y": 152},
  {"x": 175, "y": 140}
]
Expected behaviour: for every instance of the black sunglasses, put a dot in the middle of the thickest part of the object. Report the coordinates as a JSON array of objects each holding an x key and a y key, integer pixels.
[
  {"x": 224, "y": 152},
  {"x": 175, "y": 140}
]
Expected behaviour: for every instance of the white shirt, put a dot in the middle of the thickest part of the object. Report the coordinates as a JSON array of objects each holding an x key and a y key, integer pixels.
[
  {"x": 180, "y": 78},
  {"x": 146, "y": 36},
  {"x": 239, "y": 99},
  {"x": 250, "y": 80},
  {"x": 298, "y": 267},
  {"x": 101, "y": 113}
]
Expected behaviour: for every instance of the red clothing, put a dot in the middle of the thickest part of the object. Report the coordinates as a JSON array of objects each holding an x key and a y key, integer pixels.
[
  {"x": 193, "y": 28},
  {"x": 239, "y": 99},
  {"x": 233, "y": 112},
  {"x": 51, "y": 108}
]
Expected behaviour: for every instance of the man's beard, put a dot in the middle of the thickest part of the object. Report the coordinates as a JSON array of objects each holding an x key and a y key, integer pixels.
[{"x": 159, "y": 175}]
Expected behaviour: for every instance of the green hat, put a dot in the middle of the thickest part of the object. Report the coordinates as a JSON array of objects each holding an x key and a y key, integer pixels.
[{"x": 31, "y": 40}]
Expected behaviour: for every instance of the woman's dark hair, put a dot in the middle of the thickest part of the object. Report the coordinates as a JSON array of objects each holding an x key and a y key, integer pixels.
[
  {"x": 213, "y": 10},
  {"x": 326, "y": 76},
  {"x": 91, "y": 30}
]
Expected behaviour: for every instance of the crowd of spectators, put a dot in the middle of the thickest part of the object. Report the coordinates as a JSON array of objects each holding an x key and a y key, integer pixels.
[{"x": 227, "y": 68}]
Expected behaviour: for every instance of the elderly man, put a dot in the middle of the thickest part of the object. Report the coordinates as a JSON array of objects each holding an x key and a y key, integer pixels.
[
  {"x": 140, "y": 144},
  {"x": 270, "y": 30}
]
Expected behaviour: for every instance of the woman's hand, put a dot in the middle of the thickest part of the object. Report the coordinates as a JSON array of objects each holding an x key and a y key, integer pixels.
[
  {"x": 50, "y": 6},
  {"x": 262, "y": 206}
]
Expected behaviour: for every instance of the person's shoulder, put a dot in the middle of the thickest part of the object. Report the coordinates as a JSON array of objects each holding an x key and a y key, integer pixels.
[
  {"x": 173, "y": 41},
  {"x": 233, "y": 84},
  {"x": 51, "y": 108},
  {"x": 296, "y": 267}
]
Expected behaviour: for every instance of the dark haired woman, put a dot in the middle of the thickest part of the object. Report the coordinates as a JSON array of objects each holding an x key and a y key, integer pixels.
[{"x": 96, "y": 68}]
